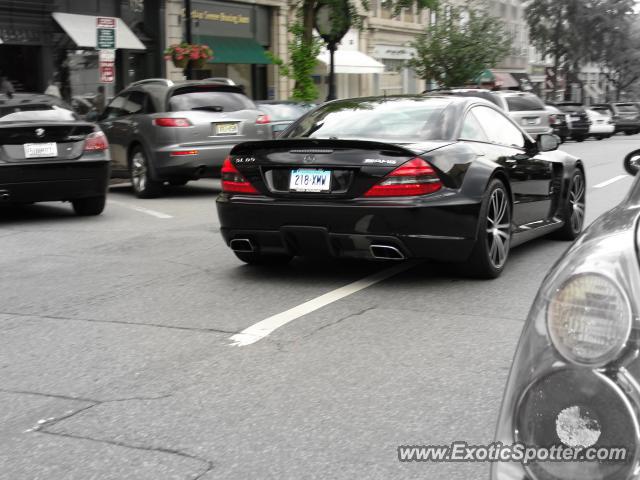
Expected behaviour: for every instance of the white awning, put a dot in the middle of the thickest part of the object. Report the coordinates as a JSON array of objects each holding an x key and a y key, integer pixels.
[
  {"x": 82, "y": 30},
  {"x": 352, "y": 61}
]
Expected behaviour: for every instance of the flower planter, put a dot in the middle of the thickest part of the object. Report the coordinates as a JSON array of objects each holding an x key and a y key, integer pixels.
[
  {"x": 200, "y": 63},
  {"x": 182, "y": 63}
]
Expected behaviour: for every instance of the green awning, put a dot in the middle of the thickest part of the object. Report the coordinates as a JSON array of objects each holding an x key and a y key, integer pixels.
[{"x": 234, "y": 50}]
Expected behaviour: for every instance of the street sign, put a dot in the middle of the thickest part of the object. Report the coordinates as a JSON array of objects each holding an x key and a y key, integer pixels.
[
  {"x": 107, "y": 72},
  {"x": 107, "y": 56},
  {"x": 106, "y": 33}
]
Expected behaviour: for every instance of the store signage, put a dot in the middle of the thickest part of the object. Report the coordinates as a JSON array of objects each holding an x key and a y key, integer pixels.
[
  {"x": 393, "y": 52},
  {"x": 106, "y": 33},
  {"x": 107, "y": 66},
  {"x": 221, "y": 19}
]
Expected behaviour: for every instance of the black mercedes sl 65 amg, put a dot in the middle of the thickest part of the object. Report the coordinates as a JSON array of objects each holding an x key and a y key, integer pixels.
[{"x": 444, "y": 178}]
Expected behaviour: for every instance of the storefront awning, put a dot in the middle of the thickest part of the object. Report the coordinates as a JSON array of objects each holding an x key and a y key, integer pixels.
[
  {"x": 234, "y": 50},
  {"x": 352, "y": 61},
  {"x": 82, "y": 30},
  {"x": 500, "y": 79}
]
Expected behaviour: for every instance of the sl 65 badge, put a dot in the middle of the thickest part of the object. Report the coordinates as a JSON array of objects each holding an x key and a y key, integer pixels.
[{"x": 245, "y": 160}]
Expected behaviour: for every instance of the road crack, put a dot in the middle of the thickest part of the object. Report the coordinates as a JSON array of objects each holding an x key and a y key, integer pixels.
[{"x": 43, "y": 426}]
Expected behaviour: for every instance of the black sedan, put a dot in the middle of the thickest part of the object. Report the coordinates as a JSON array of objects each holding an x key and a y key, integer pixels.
[
  {"x": 575, "y": 379},
  {"x": 47, "y": 154},
  {"x": 445, "y": 178}
]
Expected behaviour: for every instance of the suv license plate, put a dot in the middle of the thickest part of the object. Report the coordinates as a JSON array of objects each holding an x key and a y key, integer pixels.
[
  {"x": 40, "y": 150},
  {"x": 310, "y": 181},
  {"x": 226, "y": 129}
]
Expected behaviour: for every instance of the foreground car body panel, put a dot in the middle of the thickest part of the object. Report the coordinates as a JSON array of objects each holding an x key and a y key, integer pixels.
[{"x": 549, "y": 393}]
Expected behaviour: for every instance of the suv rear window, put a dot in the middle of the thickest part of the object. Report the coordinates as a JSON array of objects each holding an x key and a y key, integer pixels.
[
  {"x": 626, "y": 107},
  {"x": 209, "y": 100},
  {"x": 524, "y": 103},
  {"x": 572, "y": 108},
  {"x": 35, "y": 113}
]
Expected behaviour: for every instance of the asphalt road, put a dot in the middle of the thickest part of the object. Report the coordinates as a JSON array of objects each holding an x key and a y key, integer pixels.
[{"x": 116, "y": 357}]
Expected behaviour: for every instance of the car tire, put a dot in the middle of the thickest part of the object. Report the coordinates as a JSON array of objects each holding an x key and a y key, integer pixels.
[
  {"x": 579, "y": 138},
  {"x": 255, "y": 258},
  {"x": 629, "y": 132},
  {"x": 143, "y": 185},
  {"x": 491, "y": 250},
  {"x": 89, "y": 206},
  {"x": 178, "y": 182},
  {"x": 563, "y": 139},
  {"x": 574, "y": 209},
  {"x": 601, "y": 137}
]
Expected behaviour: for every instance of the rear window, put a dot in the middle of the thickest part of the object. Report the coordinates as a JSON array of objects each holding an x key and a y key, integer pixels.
[
  {"x": 628, "y": 107},
  {"x": 486, "y": 95},
  {"x": 601, "y": 110},
  {"x": 207, "y": 100},
  {"x": 35, "y": 113},
  {"x": 524, "y": 103},
  {"x": 572, "y": 108},
  {"x": 284, "y": 111},
  {"x": 389, "y": 119}
]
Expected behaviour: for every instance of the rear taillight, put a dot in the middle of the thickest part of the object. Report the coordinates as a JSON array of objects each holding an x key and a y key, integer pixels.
[
  {"x": 552, "y": 119},
  {"x": 416, "y": 177},
  {"x": 263, "y": 119},
  {"x": 233, "y": 181},
  {"x": 172, "y": 122},
  {"x": 182, "y": 153},
  {"x": 95, "y": 142}
]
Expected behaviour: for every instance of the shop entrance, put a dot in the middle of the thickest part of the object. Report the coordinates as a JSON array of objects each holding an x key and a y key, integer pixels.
[{"x": 21, "y": 65}]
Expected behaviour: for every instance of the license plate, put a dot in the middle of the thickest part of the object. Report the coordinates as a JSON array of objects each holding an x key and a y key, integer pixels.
[
  {"x": 575, "y": 118},
  {"x": 531, "y": 121},
  {"x": 310, "y": 180},
  {"x": 226, "y": 129},
  {"x": 40, "y": 150}
]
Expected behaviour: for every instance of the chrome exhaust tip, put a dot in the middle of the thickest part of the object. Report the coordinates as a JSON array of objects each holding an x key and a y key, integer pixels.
[
  {"x": 386, "y": 252},
  {"x": 241, "y": 245}
]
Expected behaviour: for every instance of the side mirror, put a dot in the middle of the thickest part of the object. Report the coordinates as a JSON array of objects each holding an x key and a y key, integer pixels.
[
  {"x": 632, "y": 163},
  {"x": 547, "y": 142}
]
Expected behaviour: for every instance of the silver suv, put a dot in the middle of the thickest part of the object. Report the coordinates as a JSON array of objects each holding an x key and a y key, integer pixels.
[
  {"x": 527, "y": 110},
  {"x": 164, "y": 132}
]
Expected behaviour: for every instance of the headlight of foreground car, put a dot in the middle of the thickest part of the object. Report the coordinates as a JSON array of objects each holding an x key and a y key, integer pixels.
[{"x": 570, "y": 382}]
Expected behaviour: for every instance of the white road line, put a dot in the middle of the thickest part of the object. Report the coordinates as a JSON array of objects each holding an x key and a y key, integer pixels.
[
  {"x": 610, "y": 181},
  {"x": 267, "y": 326},
  {"x": 148, "y": 211}
]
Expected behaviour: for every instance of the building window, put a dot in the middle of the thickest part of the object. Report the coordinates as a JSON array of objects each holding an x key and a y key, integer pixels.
[{"x": 392, "y": 65}]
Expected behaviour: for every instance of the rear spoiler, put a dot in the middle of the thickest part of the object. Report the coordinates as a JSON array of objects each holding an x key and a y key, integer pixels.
[{"x": 312, "y": 145}]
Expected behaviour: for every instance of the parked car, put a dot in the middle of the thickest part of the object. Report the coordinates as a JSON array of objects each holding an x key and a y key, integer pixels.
[
  {"x": 47, "y": 154},
  {"x": 577, "y": 119},
  {"x": 389, "y": 178},
  {"x": 282, "y": 113},
  {"x": 558, "y": 122},
  {"x": 601, "y": 124},
  {"x": 575, "y": 378},
  {"x": 527, "y": 110},
  {"x": 626, "y": 116},
  {"x": 165, "y": 132}
]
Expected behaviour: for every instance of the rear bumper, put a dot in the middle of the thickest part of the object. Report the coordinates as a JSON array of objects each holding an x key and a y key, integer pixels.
[
  {"x": 561, "y": 130},
  {"x": 627, "y": 126},
  {"x": 577, "y": 130},
  {"x": 43, "y": 182},
  {"x": 535, "y": 131},
  {"x": 443, "y": 230},
  {"x": 206, "y": 163}
]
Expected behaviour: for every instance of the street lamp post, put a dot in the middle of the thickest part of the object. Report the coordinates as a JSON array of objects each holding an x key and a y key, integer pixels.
[
  {"x": 188, "y": 71},
  {"x": 332, "y": 23}
]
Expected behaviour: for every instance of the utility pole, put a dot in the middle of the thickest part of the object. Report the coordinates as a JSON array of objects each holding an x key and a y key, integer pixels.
[{"x": 188, "y": 71}]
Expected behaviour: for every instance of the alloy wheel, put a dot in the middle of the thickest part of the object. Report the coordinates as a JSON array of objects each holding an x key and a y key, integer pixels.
[
  {"x": 139, "y": 172},
  {"x": 498, "y": 228},
  {"x": 576, "y": 202}
]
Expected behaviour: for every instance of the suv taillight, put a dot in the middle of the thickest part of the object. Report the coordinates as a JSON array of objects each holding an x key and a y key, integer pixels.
[
  {"x": 172, "y": 122},
  {"x": 416, "y": 177},
  {"x": 263, "y": 119},
  {"x": 96, "y": 142},
  {"x": 233, "y": 181}
]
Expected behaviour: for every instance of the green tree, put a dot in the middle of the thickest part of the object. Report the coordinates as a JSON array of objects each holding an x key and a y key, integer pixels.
[
  {"x": 621, "y": 54},
  {"x": 460, "y": 46},
  {"x": 573, "y": 32},
  {"x": 303, "y": 44}
]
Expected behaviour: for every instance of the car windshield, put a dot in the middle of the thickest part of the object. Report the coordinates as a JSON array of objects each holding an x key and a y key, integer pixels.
[
  {"x": 209, "y": 100},
  {"x": 524, "y": 103},
  {"x": 283, "y": 111},
  {"x": 394, "y": 119},
  {"x": 627, "y": 108},
  {"x": 35, "y": 113}
]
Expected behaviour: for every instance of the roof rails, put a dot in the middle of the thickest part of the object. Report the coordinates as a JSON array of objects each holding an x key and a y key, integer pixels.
[{"x": 148, "y": 81}]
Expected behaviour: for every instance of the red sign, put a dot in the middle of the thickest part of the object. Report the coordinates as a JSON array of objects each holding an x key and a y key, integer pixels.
[
  {"x": 105, "y": 22},
  {"x": 107, "y": 72}
]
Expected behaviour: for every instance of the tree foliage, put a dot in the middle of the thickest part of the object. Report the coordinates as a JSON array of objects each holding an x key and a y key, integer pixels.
[
  {"x": 304, "y": 47},
  {"x": 621, "y": 55},
  {"x": 463, "y": 43}
]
